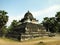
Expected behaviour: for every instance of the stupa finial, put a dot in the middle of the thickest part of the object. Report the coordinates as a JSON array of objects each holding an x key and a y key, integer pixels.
[{"x": 28, "y": 11}]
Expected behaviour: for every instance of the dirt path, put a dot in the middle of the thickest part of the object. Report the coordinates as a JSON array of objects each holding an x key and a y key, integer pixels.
[
  {"x": 4, "y": 42},
  {"x": 35, "y": 42}
]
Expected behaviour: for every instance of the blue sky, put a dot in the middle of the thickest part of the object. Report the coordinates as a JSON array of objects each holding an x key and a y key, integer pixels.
[
  {"x": 19, "y": 6},
  {"x": 39, "y": 8}
]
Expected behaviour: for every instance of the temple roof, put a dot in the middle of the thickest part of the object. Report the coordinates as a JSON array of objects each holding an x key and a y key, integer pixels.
[{"x": 28, "y": 15}]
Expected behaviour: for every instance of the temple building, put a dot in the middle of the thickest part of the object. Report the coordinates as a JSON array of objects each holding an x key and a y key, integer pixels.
[
  {"x": 28, "y": 17},
  {"x": 30, "y": 26}
]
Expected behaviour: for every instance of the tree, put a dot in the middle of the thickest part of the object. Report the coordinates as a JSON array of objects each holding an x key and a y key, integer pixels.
[
  {"x": 46, "y": 23},
  {"x": 13, "y": 30},
  {"x": 58, "y": 21},
  {"x": 52, "y": 26},
  {"x": 49, "y": 24},
  {"x": 14, "y": 24},
  {"x": 4, "y": 30},
  {"x": 3, "y": 19}
]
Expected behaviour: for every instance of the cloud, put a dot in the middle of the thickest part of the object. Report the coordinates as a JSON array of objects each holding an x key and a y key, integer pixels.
[
  {"x": 11, "y": 18},
  {"x": 48, "y": 12},
  {"x": 40, "y": 14}
]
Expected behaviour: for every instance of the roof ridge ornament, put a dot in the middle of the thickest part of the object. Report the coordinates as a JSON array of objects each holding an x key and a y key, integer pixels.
[{"x": 28, "y": 11}]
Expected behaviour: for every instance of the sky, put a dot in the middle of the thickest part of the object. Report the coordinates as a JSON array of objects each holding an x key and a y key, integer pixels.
[{"x": 39, "y": 8}]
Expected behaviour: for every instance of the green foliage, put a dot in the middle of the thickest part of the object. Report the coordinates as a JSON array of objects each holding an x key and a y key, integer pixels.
[
  {"x": 52, "y": 24},
  {"x": 3, "y": 21},
  {"x": 57, "y": 15},
  {"x": 3, "y": 18},
  {"x": 14, "y": 23},
  {"x": 4, "y": 29},
  {"x": 58, "y": 21}
]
